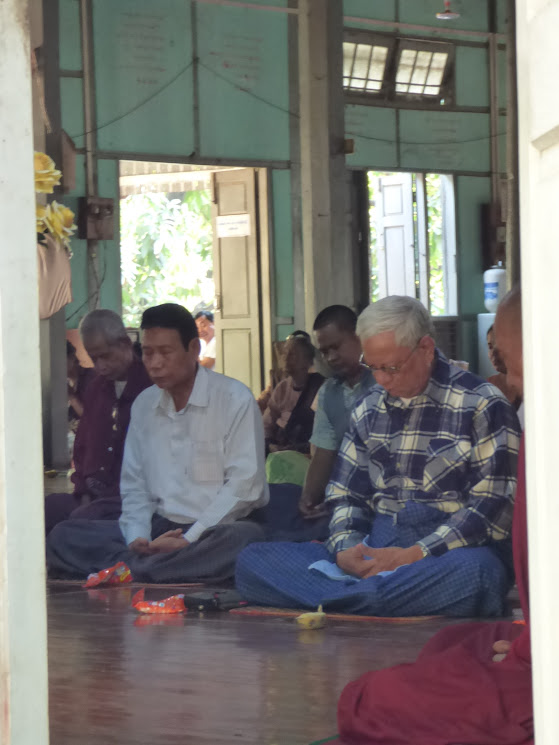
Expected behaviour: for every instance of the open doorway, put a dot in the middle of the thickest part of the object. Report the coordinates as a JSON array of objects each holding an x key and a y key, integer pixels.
[
  {"x": 165, "y": 237},
  {"x": 197, "y": 235},
  {"x": 413, "y": 239}
]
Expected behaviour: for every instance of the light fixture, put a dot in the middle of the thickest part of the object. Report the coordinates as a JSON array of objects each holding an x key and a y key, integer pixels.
[{"x": 448, "y": 14}]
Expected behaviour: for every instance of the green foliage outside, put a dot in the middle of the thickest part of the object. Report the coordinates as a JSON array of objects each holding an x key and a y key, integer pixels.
[
  {"x": 436, "y": 246},
  {"x": 166, "y": 252},
  {"x": 373, "y": 197}
]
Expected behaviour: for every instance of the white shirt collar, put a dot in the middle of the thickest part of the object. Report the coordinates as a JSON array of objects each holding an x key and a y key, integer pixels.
[{"x": 199, "y": 395}]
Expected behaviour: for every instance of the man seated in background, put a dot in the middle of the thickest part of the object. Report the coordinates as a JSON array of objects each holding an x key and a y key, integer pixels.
[
  {"x": 99, "y": 443},
  {"x": 422, "y": 490},
  {"x": 193, "y": 469},
  {"x": 299, "y": 514},
  {"x": 206, "y": 331},
  {"x": 458, "y": 691}
]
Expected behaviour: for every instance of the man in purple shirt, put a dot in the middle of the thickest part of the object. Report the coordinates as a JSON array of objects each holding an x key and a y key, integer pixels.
[{"x": 99, "y": 443}]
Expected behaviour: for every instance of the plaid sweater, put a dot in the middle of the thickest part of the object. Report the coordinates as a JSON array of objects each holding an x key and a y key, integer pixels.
[{"x": 453, "y": 448}]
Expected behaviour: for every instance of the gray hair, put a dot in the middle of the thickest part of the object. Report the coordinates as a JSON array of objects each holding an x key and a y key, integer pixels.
[
  {"x": 405, "y": 316},
  {"x": 105, "y": 323}
]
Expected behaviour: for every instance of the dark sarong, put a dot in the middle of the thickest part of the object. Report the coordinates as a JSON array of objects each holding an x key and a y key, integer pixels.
[{"x": 76, "y": 548}]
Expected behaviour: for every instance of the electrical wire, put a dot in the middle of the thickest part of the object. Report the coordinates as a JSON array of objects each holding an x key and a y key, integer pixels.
[
  {"x": 139, "y": 105},
  {"x": 279, "y": 108},
  {"x": 97, "y": 291}
]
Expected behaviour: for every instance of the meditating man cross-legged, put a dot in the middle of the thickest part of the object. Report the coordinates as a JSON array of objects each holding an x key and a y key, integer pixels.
[
  {"x": 421, "y": 493},
  {"x": 193, "y": 469},
  {"x": 459, "y": 690}
]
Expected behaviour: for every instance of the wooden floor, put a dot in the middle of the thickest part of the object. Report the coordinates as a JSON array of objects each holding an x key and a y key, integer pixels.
[{"x": 117, "y": 678}]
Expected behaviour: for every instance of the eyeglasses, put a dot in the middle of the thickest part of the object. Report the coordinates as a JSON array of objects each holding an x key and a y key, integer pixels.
[{"x": 393, "y": 370}]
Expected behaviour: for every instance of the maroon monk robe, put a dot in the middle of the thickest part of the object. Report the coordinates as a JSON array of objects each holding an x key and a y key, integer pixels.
[
  {"x": 454, "y": 692},
  {"x": 99, "y": 444},
  {"x": 98, "y": 451}
]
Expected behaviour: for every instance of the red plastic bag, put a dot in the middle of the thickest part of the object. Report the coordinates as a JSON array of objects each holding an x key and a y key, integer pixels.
[
  {"x": 173, "y": 604},
  {"x": 119, "y": 574}
]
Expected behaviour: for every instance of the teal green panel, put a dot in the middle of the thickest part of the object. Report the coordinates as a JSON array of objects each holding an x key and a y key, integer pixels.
[
  {"x": 109, "y": 251},
  {"x": 472, "y": 76},
  {"x": 78, "y": 263},
  {"x": 283, "y": 247},
  {"x": 243, "y": 81},
  {"x": 380, "y": 11},
  {"x": 502, "y": 16},
  {"x": 473, "y": 14},
  {"x": 143, "y": 76},
  {"x": 283, "y": 331},
  {"x": 71, "y": 97},
  {"x": 471, "y": 193},
  {"x": 374, "y": 131},
  {"x": 70, "y": 35},
  {"x": 432, "y": 140}
]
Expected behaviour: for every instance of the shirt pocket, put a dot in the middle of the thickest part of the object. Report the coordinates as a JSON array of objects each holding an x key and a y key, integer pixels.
[
  {"x": 206, "y": 462},
  {"x": 446, "y": 465}
]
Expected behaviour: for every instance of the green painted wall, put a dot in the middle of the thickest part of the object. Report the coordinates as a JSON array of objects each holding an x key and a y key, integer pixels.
[
  {"x": 456, "y": 142},
  {"x": 178, "y": 79}
]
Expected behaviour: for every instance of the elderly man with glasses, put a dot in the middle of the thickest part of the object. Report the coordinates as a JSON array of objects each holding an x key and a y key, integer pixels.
[{"x": 421, "y": 495}]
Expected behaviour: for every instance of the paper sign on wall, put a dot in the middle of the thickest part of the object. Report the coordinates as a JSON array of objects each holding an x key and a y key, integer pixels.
[{"x": 233, "y": 226}]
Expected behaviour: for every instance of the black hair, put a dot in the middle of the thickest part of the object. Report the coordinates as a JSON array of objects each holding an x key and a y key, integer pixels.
[
  {"x": 70, "y": 349},
  {"x": 337, "y": 315},
  {"x": 205, "y": 314},
  {"x": 171, "y": 316},
  {"x": 304, "y": 340}
]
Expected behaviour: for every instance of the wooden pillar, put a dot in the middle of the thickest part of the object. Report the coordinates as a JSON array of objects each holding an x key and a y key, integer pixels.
[
  {"x": 23, "y": 646},
  {"x": 53, "y": 330},
  {"x": 326, "y": 256},
  {"x": 538, "y": 119}
]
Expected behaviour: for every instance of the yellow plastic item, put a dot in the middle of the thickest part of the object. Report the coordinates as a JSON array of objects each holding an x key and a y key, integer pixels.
[{"x": 314, "y": 620}]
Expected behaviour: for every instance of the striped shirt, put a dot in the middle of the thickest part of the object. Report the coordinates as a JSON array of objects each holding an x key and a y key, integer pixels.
[{"x": 453, "y": 447}]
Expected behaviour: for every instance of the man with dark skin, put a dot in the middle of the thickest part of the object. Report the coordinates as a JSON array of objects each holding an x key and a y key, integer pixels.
[
  {"x": 298, "y": 515},
  {"x": 340, "y": 347}
]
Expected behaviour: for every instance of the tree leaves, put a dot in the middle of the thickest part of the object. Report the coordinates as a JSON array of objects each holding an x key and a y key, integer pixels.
[{"x": 166, "y": 252}]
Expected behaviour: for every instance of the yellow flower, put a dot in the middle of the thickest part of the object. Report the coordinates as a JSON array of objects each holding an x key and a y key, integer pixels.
[
  {"x": 46, "y": 175},
  {"x": 40, "y": 212},
  {"x": 59, "y": 221}
]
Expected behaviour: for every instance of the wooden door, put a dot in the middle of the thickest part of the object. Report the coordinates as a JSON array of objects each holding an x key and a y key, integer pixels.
[{"x": 236, "y": 273}]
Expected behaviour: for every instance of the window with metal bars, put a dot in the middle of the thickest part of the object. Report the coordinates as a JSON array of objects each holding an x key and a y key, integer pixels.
[{"x": 381, "y": 68}]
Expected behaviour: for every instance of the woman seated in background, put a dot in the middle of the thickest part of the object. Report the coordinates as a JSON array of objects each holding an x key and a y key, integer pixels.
[
  {"x": 500, "y": 379},
  {"x": 289, "y": 416}
]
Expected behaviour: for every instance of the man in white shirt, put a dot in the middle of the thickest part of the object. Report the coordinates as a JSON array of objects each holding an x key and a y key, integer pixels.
[{"x": 193, "y": 469}]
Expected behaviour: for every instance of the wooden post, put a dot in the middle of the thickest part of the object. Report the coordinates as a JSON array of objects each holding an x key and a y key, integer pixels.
[
  {"x": 326, "y": 256},
  {"x": 23, "y": 645}
]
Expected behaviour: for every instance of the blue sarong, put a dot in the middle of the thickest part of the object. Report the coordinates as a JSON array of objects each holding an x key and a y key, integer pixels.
[{"x": 467, "y": 582}]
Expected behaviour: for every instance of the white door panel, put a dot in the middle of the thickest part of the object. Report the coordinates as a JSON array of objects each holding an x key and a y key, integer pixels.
[
  {"x": 395, "y": 239},
  {"x": 237, "y": 318}
]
